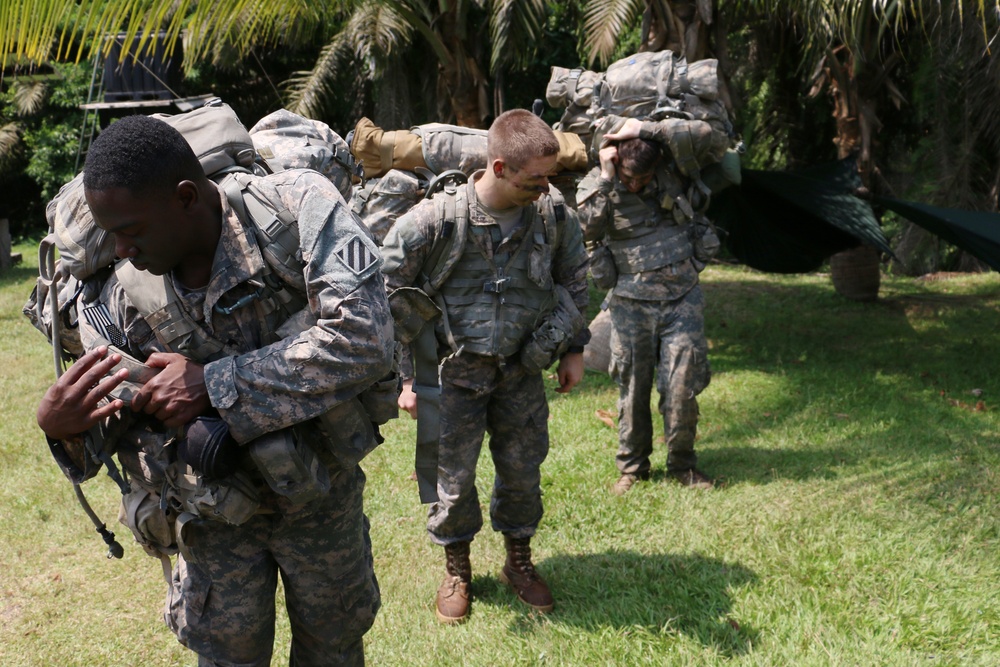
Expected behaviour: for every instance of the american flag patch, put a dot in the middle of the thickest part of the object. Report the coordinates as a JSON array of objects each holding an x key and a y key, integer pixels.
[
  {"x": 99, "y": 317},
  {"x": 355, "y": 255}
]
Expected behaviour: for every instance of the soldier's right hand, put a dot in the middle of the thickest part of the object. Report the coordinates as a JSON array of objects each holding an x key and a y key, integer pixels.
[
  {"x": 72, "y": 405},
  {"x": 175, "y": 395},
  {"x": 609, "y": 158},
  {"x": 408, "y": 399}
]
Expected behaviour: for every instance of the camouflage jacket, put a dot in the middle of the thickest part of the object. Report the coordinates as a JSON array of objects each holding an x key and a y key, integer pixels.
[
  {"x": 597, "y": 199},
  {"x": 259, "y": 388},
  {"x": 410, "y": 242}
]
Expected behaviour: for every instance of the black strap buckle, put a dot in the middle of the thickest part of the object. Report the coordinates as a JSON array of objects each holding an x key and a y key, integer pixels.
[{"x": 495, "y": 286}]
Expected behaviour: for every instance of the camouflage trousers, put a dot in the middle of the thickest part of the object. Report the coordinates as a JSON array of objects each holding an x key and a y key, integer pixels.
[
  {"x": 665, "y": 341},
  {"x": 478, "y": 396},
  {"x": 222, "y": 601}
]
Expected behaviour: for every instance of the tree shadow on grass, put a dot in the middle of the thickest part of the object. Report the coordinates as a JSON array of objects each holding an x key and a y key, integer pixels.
[{"x": 660, "y": 594}]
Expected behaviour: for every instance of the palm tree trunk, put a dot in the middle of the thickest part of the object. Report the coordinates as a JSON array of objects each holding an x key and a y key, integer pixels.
[{"x": 855, "y": 272}]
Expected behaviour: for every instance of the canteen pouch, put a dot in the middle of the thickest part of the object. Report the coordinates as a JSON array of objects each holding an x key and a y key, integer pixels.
[
  {"x": 151, "y": 525},
  {"x": 231, "y": 500},
  {"x": 290, "y": 467},
  {"x": 602, "y": 267},
  {"x": 551, "y": 340},
  {"x": 349, "y": 433}
]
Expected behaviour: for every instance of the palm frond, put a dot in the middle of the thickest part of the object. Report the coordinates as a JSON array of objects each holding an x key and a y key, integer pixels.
[
  {"x": 516, "y": 32},
  {"x": 29, "y": 96},
  {"x": 10, "y": 142},
  {"x": 377, "y": 31},
  {"x": 33, "y": 28},
  {"x": 306, "y": 91},
  {"x": 604, "y": 22}
]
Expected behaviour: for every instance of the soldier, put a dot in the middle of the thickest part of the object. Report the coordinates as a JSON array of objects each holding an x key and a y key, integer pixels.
[
  {"x": 247, "y": 399},
  {"x": 648, "y": 242},
  {"x": 503, "y": 321}
]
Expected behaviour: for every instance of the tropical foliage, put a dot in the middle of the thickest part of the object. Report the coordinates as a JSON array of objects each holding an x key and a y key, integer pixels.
[{"x": 906, "y": 85}]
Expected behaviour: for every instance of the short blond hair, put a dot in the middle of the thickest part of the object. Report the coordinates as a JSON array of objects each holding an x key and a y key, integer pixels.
[{"x": 518, "y": 136}]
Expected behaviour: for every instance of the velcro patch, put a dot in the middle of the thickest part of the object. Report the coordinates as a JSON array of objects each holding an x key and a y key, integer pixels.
[
  {"x": 355, "y": 255},
  {"x": 99, "y": 317}
]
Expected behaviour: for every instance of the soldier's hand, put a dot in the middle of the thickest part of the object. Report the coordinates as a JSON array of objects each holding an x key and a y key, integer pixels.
[
  {"x": 175, "y": 395},
  {"x": 72, "y": 404},
  {"x": 609, "y": 158},
  {"x": 630, "y": 130},
  {"x": 408, "y": 399},
  {"x": 569, "y": 372}
]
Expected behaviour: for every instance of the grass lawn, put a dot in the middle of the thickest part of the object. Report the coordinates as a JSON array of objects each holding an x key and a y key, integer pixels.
[{"x": 857, "y": 523}]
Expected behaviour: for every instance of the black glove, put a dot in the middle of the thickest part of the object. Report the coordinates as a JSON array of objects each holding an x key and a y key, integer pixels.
[{"x": 208, "y": 447}]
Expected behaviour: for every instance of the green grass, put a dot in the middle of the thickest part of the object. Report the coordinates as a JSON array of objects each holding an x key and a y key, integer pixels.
[{"x": 857, "y": 524}]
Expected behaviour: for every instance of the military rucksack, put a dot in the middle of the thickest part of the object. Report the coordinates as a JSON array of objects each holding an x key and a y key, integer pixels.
[
  {"x": 87, "y": 255},
  {"x": 649, "y": 85},
  {"x": 286, "y": 140},
  {"x": 655, "y": 85}
]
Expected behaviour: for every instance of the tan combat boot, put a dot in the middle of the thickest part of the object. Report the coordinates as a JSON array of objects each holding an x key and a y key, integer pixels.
[
  {"x": 519, "y": 573},
  {"x": 453, "y": 594}
]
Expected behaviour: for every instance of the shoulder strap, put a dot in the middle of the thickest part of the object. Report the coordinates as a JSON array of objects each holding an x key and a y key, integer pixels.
[
  {"x": 552, "y": 210},
  {"x": 158, "y": 303},
  {"x": 453, "y": 213}
]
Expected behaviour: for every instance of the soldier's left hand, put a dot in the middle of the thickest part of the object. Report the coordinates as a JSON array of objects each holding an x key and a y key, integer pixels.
[
  {"x": 175, "y": 395},
  {"x": 630, "y": 130},
  {"x": 569, "y": 372}
]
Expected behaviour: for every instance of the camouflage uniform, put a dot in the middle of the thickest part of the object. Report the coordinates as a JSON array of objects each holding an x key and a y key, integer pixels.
[
  {"x": 221, "y": 602},
  {"x": 656, "y": 307},
  {"x": 488, "y": 393}
]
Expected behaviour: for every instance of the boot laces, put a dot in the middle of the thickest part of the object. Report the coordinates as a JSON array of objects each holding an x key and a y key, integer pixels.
[
  {"x": 457, "y": 563},
  {"x": 520, "y": 555}
]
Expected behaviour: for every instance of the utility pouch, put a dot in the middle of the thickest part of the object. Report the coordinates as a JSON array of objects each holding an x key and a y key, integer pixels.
[
  {"x": 151, "y": 525},
  {"x": 381, "y": 400},
  {"x": 290, "y": 467},
  {"x": 549, "y": 341},
  {"x": 231, "y": 499},
  {"x": 704, "y": 241},
  {"x": 602, "y": 267},
  {"x": 349, "y": 433},
  {"x": 411, "y": 309}
]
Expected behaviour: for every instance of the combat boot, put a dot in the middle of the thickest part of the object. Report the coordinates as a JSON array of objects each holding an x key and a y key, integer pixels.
[
  {"x": 519, "y": 573},
  {"x": 452, "y": 605}
]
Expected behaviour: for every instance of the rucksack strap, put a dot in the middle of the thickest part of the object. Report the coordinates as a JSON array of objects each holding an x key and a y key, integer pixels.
[
  {"x": 453, "y": 211},
  {"x": 159, "y": 304}
]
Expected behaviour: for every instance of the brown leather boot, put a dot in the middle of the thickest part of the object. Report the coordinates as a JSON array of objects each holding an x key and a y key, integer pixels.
[
  {"x": 519, "y": 573},
  {"x": 453, "y": 593}
]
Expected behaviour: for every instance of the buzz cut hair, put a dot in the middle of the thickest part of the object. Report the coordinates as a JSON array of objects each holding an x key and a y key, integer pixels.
[
  {"x": 519, "y": 136},
  {"x": 139, "y": 153}
]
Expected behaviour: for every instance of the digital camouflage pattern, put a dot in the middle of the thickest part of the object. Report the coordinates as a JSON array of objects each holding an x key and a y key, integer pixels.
[
  {"x": 258, "y": 388},
  {"x": 287, "y": 140},
  {"x": 666, "y": 342},
  {"x": 657, "y": 315},
  {"x": 226, "y": 613},
  {"x": 486, "y": 394},
  {"x": 478, "y": 396}
]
